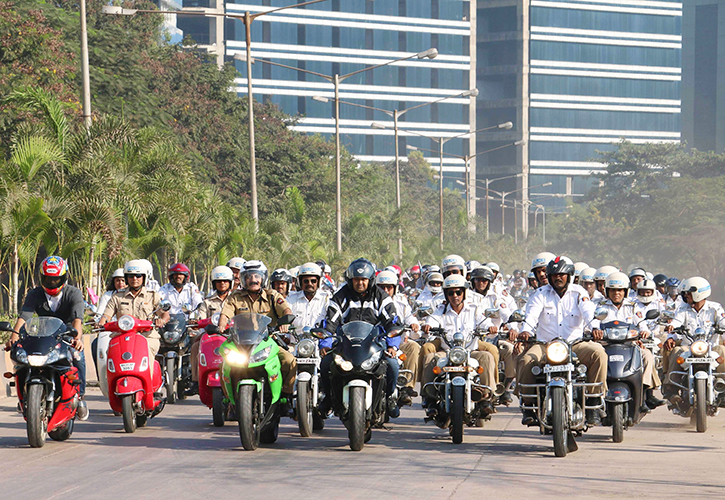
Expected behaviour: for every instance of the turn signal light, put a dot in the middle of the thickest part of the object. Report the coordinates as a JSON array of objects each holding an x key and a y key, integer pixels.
[
  {"x": 719, "y": 360},
  {"x": 73, "y": 377},
  {"x": 8, "y": 374},
  {"x": 437, "y": 370},
  {"x": 479, "y": 370},
  {"x": 680, "y": 360},
  {"x": 402, "y": 357}
]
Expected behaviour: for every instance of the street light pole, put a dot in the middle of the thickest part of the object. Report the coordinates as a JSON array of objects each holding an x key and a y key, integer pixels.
[
  {"x": 440, "y": 184},
  {"x": 338, "y": 205},
  {"x": 85, "y": 69},
  {"x": 397, "y": 185},
  {"x": 250, "y": 100}
]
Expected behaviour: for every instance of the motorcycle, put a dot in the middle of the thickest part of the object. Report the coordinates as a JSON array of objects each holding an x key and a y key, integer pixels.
[
  {"x": 174, "y": 356},
  {"x": 252, "y": 378},
  {"x": 210, "y": 361},
  {"x": 701, "y": 390},
  {"x": 558, "y": 397},
  {"x": 46, "y": 380},
  {"x": 625, "y": 391},
  {"x": 307, "y": 352}
]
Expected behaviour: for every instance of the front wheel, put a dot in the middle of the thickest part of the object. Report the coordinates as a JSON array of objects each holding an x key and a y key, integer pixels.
[
  {"x": 248, "y": 415},
  {"x": 618, "y": 423},
  {"x": 304, "y": 408},
  {"x": 457, "y": 403},
  {"x": 37, "y": 415},
  {"x": 217, "y": 407},
  {"x": 129, "y": 415},
  {"x": 170, "y": 377},
  {"x": 356, "y": 424},
  {"x": 559, "y": 421},
  {"x": 701, "y": 404}
]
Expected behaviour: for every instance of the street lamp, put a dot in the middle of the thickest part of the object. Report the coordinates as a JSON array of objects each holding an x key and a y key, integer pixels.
[
  {"x": 248, "y": 17},
  {"x": 503, "y": 195},
  {"x": 336, "y": 79}
]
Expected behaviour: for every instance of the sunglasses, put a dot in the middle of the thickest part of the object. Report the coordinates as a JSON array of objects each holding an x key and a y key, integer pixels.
[
  {"x": 137, "y": 276},
  {"x": 309, "y": 280},
  {"x": 450, "y": 293}
]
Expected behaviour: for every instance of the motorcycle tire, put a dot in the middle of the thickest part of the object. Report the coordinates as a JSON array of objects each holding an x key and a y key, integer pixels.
[
  {"x": 701, "y": 404},
  {"x": 181, "y": 389},
  {"x": 618, "y": 423},
  {"x": 63, "y": 432},
  {"x": 458, "y": 395},
  {"x": 318, "y": 421},
  {"x": 217, "y": 407},
  {"x": 129, "y": 415},
  {"x": 559, "y": 421},
  {"x": 36, "y": 415},
  {"x": 170, "y": 394},
  {"x": 248, "y": 415},
  {"x": 356, "y": 424},
  {"x": 269, "y": 435},
  {"x": 141, "y": 420},
  {"x": 304, "y": 409}
]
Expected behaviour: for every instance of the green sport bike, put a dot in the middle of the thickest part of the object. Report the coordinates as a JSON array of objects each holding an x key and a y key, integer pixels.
[{"x": 251, "y": 377}]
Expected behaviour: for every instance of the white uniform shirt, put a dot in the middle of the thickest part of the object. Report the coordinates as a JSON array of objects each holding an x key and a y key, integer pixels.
[
  {"x": 465, "y": 322},
  {"x": 555, "y": 317},
  {"x": 641, "y": 310},
  {"x": 598, "y": 298},
  {"x": 505, "y": 304},
  {"x": 405, "y": 312},
  {"x": 626, "y": 313},
  {"x": 711, "y": 314},
  {"x": 308, "y": 312},
  {"x": 426, "y": 298},
  {"x": 674, "y": 304},
  {"x": 189, "y": 295}
]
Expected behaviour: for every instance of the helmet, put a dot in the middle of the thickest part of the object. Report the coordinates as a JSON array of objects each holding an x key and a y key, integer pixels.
[
  {"x": 542, "y": 259},
  {"x": 452, "y": 262},
  {"x": 586, "y": 274},
  {"x": 493, "y": 267},
  {"x": 560, "y": 265},
  {"x": 699, "y": 287},
  {"x": 53, "y": 267},
  {"x": 328, "y": 269},
  {"x": 396, "y": 269},
  {"x": 482, "y": 272},
  {"x": 603, "y": 272},
  {"x": 660, "y": 279},
  {"x": 649, "y": 275},
  {"x": 360, "y": 268},
  {"x": 137, "y": 266},
  {"x": 646, "y": 285},
  {"x": 415, "y": 269},
  {"x": 617, "y": 281},
  {"x": 578, "y": 267},
  {"x": 672, "y": 282},
  {"x": 149, "y": 270},
  {"x": 471, "y": 265},
  {"x": 118, "y": 273},
  {"x": 281, "y": 274},
  {"x": 438, "y": 277},
  {"x": 530, "y": 275},
  {"x": 254, "y": 267},
  {"x": 386, "y": 278},
  {"x": 179, "y": 268},
  {"x": 309, "y": 269},
  {"x": 236, "y": 263},
  {"x": 454, "y": 281},
  {"x": 638, "y": 271},
  {"x": 322, "y": 264},
  {"x": 222, "y": 273}
]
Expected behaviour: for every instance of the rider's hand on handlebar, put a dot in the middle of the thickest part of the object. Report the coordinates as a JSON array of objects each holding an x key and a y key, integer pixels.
[
  {"x": 644, "y": 334},
  {"x": 77, "y": 343},
  {"x": 392, "y": 352},
  {"x": 283, "y": 328},
  {"x": 415, "y": 327},
  {"x": 160, "y": 323},
  {"x": 512, "y": 335},
  {"x": 426, "y": 329},
  {"x": 669, "y": 328},
  {"x": 669, "y": 344},
  {"x": 493, "y": 330},
  {"x": 523, "y": 337},
  {"x": 597, "y": 334}
]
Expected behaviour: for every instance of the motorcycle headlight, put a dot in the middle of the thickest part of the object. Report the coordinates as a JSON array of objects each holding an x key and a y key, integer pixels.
[
  {"x": 457, "y": 356},
  {"x": 235, "y": 358},
  {"x": 172, "y": 336},
  {"x": 557, "y": 352},
  {"x": 37, "y": 360},
  {"x": 260, "y": 356},
  {"x": 126, "y": 323},
  {"x": 699, "y": 348},
  {"x": 344, "y": 364},
  {"x": 373, "y": 360},
  {"x": 21, "y": 356},
  {"x": 305, "y": 348}
]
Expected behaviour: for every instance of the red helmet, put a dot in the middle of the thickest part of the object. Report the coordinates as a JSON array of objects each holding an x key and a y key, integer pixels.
[
  {"x": 179, "y": 268},
  {"x": 415, "y": 269},
  {"x": 53, "y": 267}
]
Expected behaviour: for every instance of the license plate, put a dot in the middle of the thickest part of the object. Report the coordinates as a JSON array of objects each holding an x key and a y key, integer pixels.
[
  {"x": 127, "y": 367},
  {"x": 307, "y": 361},
  {"x": 455, "y": 368},
  {"x": 696, "y": 361},
  {"x": 559, "y": 368},
  {"x": 616, "y": 357}
]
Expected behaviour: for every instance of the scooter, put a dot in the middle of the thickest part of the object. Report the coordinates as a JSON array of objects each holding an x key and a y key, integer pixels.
[
  {"x": 46, "y": 380},
  {"x": 210, "y": 361}
]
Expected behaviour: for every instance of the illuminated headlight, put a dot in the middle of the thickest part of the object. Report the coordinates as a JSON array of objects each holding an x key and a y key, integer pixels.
[
  {"x": 582, "y": 369},
  {"x": 457, "y": 356},
  {"x": 171, "y": 337},
  {"x": 235, "y": 358},
  {"x": 260, "y": 356},
  {"x": 617, "y": 333},
  {"x": 37, "y": 360},
  {"x": 126, "y": 323},
  {"x": 21, "y": 356},
  {"x": 343, "y": 363},
  {"x": 370, "y": 362},
  {"x": 557, "y": 352},
  {"x": 305, "y": 348},
  {"x": 698, "y": 348}
]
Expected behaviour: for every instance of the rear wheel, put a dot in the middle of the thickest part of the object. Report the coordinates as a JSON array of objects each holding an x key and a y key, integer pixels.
[
  {"x": 304, "y": 408},
  {"x": 457, "y": 402},
  {"x": 129, "y": 415},
  {"x": 37, "y": 415},
  {"x": 248, "y": 415},
  {"x": 558, "y": 421},
  {"x": 170, "y": 376},
  {"x": 63, "y": 432},
  {"x": 701, "y": 404},
  {"x": 217, "y": 407},
  {"x": 356, "y": 423},
  {"x": 618, "y": 423}
]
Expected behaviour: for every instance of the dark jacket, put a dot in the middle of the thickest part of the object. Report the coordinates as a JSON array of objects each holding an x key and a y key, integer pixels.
[{"x": 70, "y": 307}]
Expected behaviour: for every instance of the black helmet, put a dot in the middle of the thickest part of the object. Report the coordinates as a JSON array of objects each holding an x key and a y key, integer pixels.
[
  {"x": 660, "y": 279},
  {"x": 560, "y": 265},
  {"x": 482, "y": 273},
  {"x": 281, "y": 274},
  {"x": 360, "y": 268}
]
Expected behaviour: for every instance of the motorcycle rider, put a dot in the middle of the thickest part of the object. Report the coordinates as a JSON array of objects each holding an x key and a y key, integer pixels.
[
  {"x": 622, "y": 308},
  {"x": 360, "y": 300},
  {"x": 697, "y": 312},
  {"x": 433, "y": 288},
  {"x": 600, "y": 277},
  {"x": 236, "y": 264},
  {"x": 578, "y": 268},
  {"x": 54, "y": 297},
  {"x": 411, "y": 278},
  {"x": 661, "y": 283},
  {"x": 498, "y": 284},
  {"x": 309, "y": 303},
  {"x": 586, "y": 280},
  {"x": 457, "y": 314},
  {"x": 137, "y": 301},
  {"x": 281, "y": 280},
  {"x": 179, "y": 290},
  {"x": 222, "y": 279},
  {"x": 673, "y": 300},
  {"x": 256, "y": 298},
  {"x": 561, "y": 309},
  {"x": 538, "y": 267},
  {"x": 387, "y": 281},
  {"x": 115, "y": 283},
  {"x": 531, "y": 281}
]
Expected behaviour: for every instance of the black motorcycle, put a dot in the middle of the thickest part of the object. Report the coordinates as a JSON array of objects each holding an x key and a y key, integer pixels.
[{"x": 175, "y": 357}]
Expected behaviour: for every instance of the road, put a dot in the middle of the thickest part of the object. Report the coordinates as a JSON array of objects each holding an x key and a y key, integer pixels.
[{"x": 181, "y": 455}]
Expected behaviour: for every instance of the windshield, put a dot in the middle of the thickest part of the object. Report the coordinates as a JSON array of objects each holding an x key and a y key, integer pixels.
[
  {"x": 356, "y": 330},
  {"x": 249, "y": 327},
  {"x": 45, "y": 326}
]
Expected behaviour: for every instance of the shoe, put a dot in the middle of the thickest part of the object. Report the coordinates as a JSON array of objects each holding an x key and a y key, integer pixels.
[
  {"x": 406, "y": 396},
  {"x": 285, "y": 407},
  {"x": 506, "y": 398},
  {"x": 593, "y": 418},
  {"x": 193, "y": 390},
  {"x": 645, "y": 409},
  {"x": 529, "y": 418},
  {"x": 324, "y": 406},
  {"x": 82, "y": 411},
  {"x": 652, "y": 401},
  {"x": 487, "y": 408},
  {"x": 393, "y": 410}
]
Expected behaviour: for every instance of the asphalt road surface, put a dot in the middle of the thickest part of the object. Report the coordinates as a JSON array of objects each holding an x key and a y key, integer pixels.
[{"x": 181, "y": 455}]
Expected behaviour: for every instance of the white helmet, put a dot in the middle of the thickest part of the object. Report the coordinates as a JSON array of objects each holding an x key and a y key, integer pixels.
[
  {"x": 579, "y": 267},
  {"x": 617, "y": 281},
  {"x": 493, "y": 267},
  {"x": 118, "y": 273},
  {"x": 255, "y": 267},
  {"x": 392, "y": 270},
  {"x": 236, "y": 263},
  {"x": 222, "y": 273},
  {"x": 386, "y": 278},
  {"x": 454, "y": 281},
  {"x": 646, "y": 285},
  {"x": 310, "y": 269},
  {"x": 530, "y": 275},
  {"x": 137, "y": 266},
  {"x": 603, "y": 272},
  {"x": 149, "y": 270},
  {"x": 699, "y": 287},
  {"x": 650, "y": 276},
  {"x": 471, "y": 265},
  {"x": 451, "y": 262},
  {"x": 328, "y": 269},
  {"x": 542, "y": 259},
  {"x": 295, "y": 271},
  {"x": 638, "y": 271},
  {"x": 586, "y": 274},
  {"x": 437, "y": 277}
]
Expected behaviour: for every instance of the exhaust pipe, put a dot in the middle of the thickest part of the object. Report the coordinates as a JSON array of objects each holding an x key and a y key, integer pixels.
[
  {"x": 719, "y": 385},
  {"x": 500, "y": 389},
  {"x": 476, "y": 394}
]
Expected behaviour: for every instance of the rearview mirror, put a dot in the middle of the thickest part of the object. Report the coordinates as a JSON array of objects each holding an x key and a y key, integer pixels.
[
  {"x": 600, "y": 313},
  {"x": 493, "y": 312},
  {"x": 91, "y": 307},
  {"x": 518, "y": 316},
  {"x": 287, "y": 319},
  {"x": 425, "y": 311},
  {"x": 186, "y": 308},
  {"x": 319, "y": 333},
  {"x": 395, "y": 332},
  {"x": 652, "y": 314},
  {"x": 5, "y": 326},
  {"x": 164, "y": 305}
]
